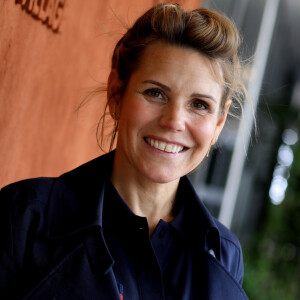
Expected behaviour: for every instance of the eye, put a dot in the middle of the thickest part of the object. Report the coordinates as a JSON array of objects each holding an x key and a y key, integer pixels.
[
  {"x": 199, "y": 104},
  {"x": 154, "y": 93}
]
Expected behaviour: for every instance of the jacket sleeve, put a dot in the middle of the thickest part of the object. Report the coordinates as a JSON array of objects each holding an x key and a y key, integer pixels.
[{"x": 21, "y": 210}]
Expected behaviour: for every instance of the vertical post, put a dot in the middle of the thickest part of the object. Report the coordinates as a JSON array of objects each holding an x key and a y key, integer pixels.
[{"x": 243, "y": 137}]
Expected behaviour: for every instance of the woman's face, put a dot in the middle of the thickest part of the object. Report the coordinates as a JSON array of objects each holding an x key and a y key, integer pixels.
[{"x": 168, "y": 115}]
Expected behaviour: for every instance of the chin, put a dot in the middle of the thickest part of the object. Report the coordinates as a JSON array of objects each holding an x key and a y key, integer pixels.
[{"x": 163, "y": 177}]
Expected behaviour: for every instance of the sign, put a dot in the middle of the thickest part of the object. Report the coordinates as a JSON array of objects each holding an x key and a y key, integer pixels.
[{"x": 48, "y": 11}]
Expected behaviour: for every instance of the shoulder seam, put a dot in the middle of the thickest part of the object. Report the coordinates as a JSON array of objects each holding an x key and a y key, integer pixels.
[
  {"x": 231, "y": 241},
  {"x": 239, "y": 250}
]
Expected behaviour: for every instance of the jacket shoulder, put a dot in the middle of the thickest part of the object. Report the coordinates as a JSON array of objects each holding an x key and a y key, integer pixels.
[
  {"x": 29, "y": 190},
  {"x": 231, "y": 252},
  {"x": 226, "y": 234}
]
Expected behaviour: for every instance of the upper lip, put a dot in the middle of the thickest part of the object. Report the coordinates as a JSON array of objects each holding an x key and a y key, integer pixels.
[{"x": 161, "y": 139}]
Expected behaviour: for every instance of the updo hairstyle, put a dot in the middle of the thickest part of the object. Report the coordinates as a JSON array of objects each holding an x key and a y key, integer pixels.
[{"x": 203, "y": 30}]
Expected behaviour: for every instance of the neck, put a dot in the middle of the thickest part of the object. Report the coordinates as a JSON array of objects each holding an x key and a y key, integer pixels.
[{"x": 146, "y": 198}]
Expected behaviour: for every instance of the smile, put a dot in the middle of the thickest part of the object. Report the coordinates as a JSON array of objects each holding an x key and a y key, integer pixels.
[{"x": 163, "y": 146}]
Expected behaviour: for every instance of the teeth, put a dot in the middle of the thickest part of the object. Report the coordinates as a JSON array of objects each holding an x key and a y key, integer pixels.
[
  {"x": 162, "y": 146},
  {"x": 170, "y": 148}
]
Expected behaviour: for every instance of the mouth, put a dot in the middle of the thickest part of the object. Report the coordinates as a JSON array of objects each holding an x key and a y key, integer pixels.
[{"x": 165, "y": 147}]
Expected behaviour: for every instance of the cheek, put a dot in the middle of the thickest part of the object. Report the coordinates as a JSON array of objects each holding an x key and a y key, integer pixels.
[
  {"x": 141, "y": 108},
  {"x": 134, "y": 114},
  {"x": 203, "y": 131}
]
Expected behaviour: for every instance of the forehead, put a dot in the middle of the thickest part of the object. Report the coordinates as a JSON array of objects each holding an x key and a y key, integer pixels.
[{"x": 180, "y": 67}]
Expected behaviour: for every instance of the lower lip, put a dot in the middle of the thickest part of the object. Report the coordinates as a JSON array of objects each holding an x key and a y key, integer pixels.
[{"x": 164, "y": 153}]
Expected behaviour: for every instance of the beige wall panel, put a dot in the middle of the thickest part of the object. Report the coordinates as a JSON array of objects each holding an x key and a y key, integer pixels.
[{"x": 45, "y": 75}]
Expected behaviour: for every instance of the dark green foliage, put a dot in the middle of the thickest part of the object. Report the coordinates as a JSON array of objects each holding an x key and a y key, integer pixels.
[{"x": 272, "y": 265}]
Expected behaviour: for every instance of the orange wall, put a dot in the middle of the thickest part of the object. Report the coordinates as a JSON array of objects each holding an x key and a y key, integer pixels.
[{"x": 44, "y": 75}]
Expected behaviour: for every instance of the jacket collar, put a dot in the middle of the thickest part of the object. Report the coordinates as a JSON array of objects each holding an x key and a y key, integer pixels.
[
  {"x": 76, "y": 203},
  {"x": 200, "y": 219},
  {"x": 76, "y": 200}
]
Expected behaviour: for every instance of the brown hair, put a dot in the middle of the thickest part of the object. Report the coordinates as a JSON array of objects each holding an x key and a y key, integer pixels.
[{"x": 203, "y": 30}]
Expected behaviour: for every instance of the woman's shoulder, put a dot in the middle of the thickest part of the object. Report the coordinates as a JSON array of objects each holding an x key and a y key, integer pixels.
[
  {"x": 38, "y": 189},
  {"x": 32, "y": 190},
  {"x": 231, "y": 252},
  {"x": 227, "y": 235}
]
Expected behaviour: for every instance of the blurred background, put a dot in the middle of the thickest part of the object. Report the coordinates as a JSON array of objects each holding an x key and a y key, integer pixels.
[
  {"x": 257, "y": 195},
  {"x": 52, "y": 56}
]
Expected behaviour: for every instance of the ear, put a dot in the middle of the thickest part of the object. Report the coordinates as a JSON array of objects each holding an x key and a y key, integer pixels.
[
  {"x": 114, "y": 86},
  {"x": 222, "y": 119}
]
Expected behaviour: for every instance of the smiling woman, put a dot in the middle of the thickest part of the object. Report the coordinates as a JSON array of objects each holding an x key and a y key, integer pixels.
[
  {"x": 173, "y": 99},
  {"x": 129, "y": 224}
]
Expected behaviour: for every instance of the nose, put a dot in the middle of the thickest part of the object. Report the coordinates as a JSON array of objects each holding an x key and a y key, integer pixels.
[{"x": 173, "y": 118}]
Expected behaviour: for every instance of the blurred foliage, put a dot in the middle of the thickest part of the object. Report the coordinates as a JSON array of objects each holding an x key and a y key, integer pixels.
[{"x": 272, "y": 264}]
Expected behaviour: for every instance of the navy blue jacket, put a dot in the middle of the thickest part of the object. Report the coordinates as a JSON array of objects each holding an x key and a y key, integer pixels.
[{"x": 52, "y": 243}]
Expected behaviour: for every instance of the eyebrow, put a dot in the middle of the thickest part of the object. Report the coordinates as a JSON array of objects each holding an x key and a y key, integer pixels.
[
  {"x": 159, "y": 84},
  {"x": 169, "y": 90},
  {"x": 204, "y": 96}
]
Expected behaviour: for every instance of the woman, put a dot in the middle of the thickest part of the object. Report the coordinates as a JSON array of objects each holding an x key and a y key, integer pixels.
[{"x": 129, "y": 225}]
